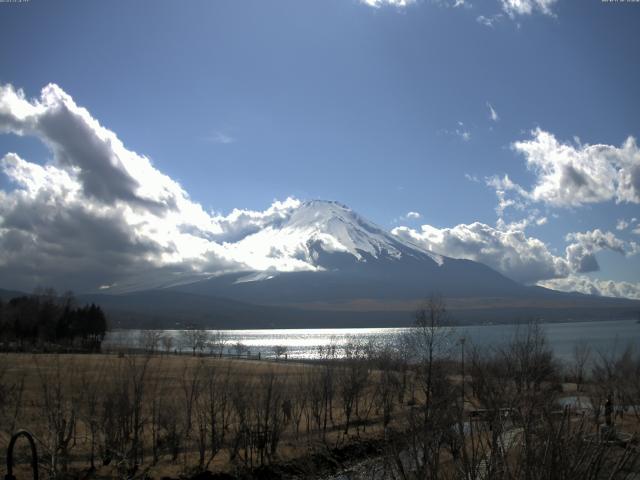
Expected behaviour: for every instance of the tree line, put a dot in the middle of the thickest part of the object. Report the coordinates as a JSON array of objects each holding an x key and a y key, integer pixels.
[{"x": 46, "y": 320}]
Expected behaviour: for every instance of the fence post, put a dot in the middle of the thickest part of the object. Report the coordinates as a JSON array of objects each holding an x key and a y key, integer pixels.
[{"x": 34, "y": 454}]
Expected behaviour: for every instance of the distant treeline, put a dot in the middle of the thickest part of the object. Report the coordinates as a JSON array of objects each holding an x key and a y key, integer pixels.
[{"x": 45, "y": 319}]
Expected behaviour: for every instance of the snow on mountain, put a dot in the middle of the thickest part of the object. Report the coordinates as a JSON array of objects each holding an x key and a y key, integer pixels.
[
  {"x": 292, "y": 236},
  {"x": 314, "y": 229}
]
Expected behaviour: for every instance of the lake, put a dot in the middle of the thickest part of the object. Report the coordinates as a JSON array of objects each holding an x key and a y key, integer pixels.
[{"x": 602, "y": 336}]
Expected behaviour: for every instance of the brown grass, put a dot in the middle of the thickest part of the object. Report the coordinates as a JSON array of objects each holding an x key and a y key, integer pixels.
[{"x": 71, "y": 370}]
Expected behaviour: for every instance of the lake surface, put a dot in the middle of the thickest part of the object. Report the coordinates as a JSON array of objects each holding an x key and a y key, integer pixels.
[{"x": 602, "y": 336}]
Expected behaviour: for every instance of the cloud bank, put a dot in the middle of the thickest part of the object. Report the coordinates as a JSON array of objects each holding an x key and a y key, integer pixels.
[
  {"x": 594, "y": 286},
  {"x": 99, "y": 214},
  {"x": 526, "y": 259},
  {"x": 511, "y": 252}
]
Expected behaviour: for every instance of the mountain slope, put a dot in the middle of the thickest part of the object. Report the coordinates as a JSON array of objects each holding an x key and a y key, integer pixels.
[
  {"x": 353, "y": 265},
  {"x": 325, "y": 235},
  {"x": 348, "y": 257}
]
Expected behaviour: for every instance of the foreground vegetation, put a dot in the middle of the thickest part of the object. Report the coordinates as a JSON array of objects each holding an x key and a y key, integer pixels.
[{"x": 430, "y": 409}]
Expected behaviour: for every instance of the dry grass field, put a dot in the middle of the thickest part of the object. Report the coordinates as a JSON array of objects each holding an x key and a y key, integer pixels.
[{"x": 163, "y": 407}]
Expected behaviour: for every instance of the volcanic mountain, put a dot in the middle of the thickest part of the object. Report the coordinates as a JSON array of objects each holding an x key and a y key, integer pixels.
[
  {"x": 348, "y": 258},
  {"x": 348, "y": 272}
]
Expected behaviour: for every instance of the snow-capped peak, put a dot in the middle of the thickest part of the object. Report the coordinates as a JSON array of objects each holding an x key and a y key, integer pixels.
[
  {"x": 339, "y": 228},
  {"x": 317, "y": 227}
]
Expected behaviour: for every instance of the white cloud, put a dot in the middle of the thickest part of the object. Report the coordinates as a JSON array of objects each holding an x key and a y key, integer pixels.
[
  {"x": 571, "y": 175},
  {"x": 622, "y": 224},
  {"x": 489, "y": 21},
  {"x": 472, "y": 178},
  {"x": 581, "y": 252},
  {"x": 221, "y": 137},
  {"x": 504, "y": 187},
  {"x": 511, "y": 252},
  {"x": 463, "y": 132},
  {"x": 493, "y": 115},
  {"x": 408, "y": 217},
  {"x": 514, "y": 8},
  {"x": 392, "y": 3},
  {"x": 511, "y": 8},
  {"x": 460, "y": 131},
  {"x": 593, "y": 286},
  {"x": 242, "y": 223},
  {"x": 452, "y": 3}
]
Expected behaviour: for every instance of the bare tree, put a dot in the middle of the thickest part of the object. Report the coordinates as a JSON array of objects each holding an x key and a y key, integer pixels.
[
  {"x": 11, "y": 392},
  {"x": 631, "y": 386},
  {"x": 390, "y": 368},
  {"x": 279, "y": 351},
  {"x": 167, "y": 342},
  {"x": 194, "y": 339},
  {"x": 351, "y": 379},
  {"x": 298, "y": 398},
  {"x": 91, "y": 384},
  {"x": 150, "y": 340},
  {"x": 324, "y": 391},
  {"x": 429, "y": 424},
  {"x": 59, "y": 406},
  {"x": 169, "y": 426},
  {"x": 267, "y": 417},
  {"x": 240, "y": 444},
  {"x": 605, "y": 381},
  {"x": 156, "y": 393},
  {"x": 240, "y": 348},
  {"x": 213, "y": 413},
  {"x": 580, "y": 358},
  {"x": 615, "y": 380},
  {"x": 191, "y": 385},
  {"x": 122, "y": 414},
  {"x": 217, "y": 342}
]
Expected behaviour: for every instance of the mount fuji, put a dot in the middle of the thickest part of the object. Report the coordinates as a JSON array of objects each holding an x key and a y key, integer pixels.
[
  {"x": 346, "y": 257},
  {"x": 325, "y": 265}
]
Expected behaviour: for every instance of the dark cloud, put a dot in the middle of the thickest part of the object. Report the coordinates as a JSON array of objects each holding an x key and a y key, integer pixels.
[{"x": 78, "y": 141}]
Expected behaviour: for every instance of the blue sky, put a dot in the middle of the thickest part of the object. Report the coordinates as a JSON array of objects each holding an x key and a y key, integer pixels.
[{"x": 386, "y": 108}]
